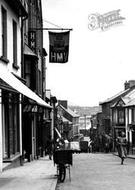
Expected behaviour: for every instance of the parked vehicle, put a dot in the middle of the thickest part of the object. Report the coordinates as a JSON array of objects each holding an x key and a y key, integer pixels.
[
  {"x": 84, "y": 146},
  {"x": 75, "y": 147}
]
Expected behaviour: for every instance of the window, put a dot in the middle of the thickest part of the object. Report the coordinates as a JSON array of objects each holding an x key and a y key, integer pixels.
[
  {"x": 133, "y": 115},
  {"x": 15, "y": 44},
  {"x": 4, "y": 34},
  {"x": 11, "y": 132},
  {"x": 121, "y": 116}
]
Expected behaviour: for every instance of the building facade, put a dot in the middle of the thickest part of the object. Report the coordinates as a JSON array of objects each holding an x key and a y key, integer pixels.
[
  {"x": 107, "y": 104},
  {"x": 10, "y": 65},
  {"x": 84, "y": 124},
  {"x": 73, "y": 119},
  {"x": 117, "y": 113},
  {"x": 36, "y": 119},
  {"x": 23, "y": 111},
  {"x": 123, "y": 118}
]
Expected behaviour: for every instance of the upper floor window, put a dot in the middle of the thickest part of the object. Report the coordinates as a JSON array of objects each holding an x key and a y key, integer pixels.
[
  {"x": 121, "y": 116},
  {"x": 15, "y": 44},
  {"x": 26, "y": 31},
  {"x": 133, "y": 115},
  {"x": 4, "y": 34}
]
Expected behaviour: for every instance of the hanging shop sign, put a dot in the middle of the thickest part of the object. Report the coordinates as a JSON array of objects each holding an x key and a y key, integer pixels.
[{"x": 58, "y": 47}]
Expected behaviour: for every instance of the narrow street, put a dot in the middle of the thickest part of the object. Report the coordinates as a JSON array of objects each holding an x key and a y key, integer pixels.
[{"x": 99, "y": 171}]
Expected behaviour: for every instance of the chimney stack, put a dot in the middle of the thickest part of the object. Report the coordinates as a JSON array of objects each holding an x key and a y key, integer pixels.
[
  {"x": 129, "y": 84},
  {"x": 63, "y": 103}
]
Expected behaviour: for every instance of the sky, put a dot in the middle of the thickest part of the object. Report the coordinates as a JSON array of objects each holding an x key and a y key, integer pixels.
[{"x": 99, "y": 61}]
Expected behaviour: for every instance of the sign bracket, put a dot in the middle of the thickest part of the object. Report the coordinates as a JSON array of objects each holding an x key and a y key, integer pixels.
[{"x": 70, "y": 29}]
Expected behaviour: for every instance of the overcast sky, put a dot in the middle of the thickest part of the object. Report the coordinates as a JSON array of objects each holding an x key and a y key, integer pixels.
[{"x": 99, "y": 61}]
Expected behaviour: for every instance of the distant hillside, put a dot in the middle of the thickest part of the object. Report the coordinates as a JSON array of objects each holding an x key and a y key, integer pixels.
[{"x": 85, "y": 110}]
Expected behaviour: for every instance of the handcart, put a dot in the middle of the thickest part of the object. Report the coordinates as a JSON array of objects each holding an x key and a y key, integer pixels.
[{"x": 63, "y": 159}]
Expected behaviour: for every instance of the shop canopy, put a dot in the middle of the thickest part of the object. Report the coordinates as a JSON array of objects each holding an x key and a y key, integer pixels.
[
  {"x": 16, "y": 84},
  {"x": 29, "y": 52}
]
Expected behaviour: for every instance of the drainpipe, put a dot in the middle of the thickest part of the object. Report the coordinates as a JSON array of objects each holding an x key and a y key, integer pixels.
[
  {"x": 126, "y": 122},
  {"x": 1, "y": 148},
  {"x": 20, "y": 124},
  {"x": 53, "y": 101},
  {"x": 22, "y": 46},
  {"x": 21, "y": 97}
]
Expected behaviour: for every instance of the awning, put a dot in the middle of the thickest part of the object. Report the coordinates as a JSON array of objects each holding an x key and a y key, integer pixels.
[
  {"x": 28, "y": 51},
  {"x": 16, "y": 84}
]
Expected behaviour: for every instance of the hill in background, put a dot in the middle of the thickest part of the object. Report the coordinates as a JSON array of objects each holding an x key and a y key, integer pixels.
[{"x": 85, "y": 110}]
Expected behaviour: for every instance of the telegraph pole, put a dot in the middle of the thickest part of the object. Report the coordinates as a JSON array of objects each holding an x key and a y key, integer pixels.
[{"x": 85, "y": 123}]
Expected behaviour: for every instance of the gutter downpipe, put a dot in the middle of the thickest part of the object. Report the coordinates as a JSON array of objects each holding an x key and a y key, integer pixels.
[
  {"x": 21, "y": 96},
  {"x": 1, "y": 148},
  {"x": 22, "y": 46}
]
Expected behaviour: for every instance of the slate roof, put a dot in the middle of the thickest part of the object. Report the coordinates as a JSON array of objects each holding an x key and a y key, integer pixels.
[
  {"x": 118, "y": 95},
  {"x": 73, "y": 114},
  {"x": 130, "y": 103},
  {"x": 128, "y": 99}
]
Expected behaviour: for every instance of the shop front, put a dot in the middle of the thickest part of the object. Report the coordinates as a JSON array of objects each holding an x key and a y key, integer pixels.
[{"x": 12, "y": 94}]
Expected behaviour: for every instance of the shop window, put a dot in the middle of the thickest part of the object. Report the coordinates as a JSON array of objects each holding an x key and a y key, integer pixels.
[{"x": 11, "y": 132}]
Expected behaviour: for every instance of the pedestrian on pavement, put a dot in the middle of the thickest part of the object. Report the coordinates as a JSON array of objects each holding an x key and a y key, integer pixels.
[
  {"x": 89, "y": 146},
  {"x": 122, "y": 146},
  {"x": 49, "y": 147}
]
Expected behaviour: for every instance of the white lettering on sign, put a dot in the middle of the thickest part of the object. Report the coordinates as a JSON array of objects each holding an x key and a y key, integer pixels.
[
  {"x": 59, "y": 57},
  {"x": 32, "y": 40}
]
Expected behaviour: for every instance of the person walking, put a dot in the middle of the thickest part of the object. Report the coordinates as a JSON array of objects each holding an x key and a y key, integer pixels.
[
  {"x": 49, "y": 147},
  {"x": 122, "y": 146}
]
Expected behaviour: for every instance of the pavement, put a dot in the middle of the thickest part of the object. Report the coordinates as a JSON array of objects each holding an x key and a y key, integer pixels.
[
  {"x": 36, "y": 175},
  {"x": 132, "y": 156}
]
